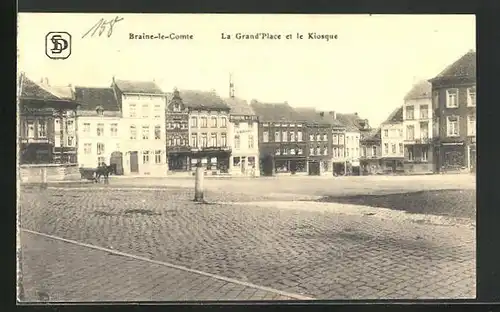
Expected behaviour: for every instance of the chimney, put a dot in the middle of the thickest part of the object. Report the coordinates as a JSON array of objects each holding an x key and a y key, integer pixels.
[
  {"x": 333, "y": 114},
  {"x": 356, "y": 114},
  {"x": 113, "y": 79},
  {"x": 322, "y": 114}
]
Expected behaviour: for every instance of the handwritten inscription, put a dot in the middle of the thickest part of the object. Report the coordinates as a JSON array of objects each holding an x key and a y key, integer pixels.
[{"x": 101, "y": 26}]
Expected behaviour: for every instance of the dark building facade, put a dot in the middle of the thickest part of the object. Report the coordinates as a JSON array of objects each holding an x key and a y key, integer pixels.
[
  {"x": 177, "y": 133},
  {"x": 454, "y": 104},
  {"x": 208, "y": 131},
  {"x": 40, "y": 108},
  {"x": 282, "y": 139},
  {"x": 371, "y": 153}
]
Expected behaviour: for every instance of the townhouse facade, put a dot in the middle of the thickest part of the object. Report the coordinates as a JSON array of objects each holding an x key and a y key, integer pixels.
[
  {"x": 282, "y": 142},
  {"x": 352, "y": 123},
  {"x": 100, "y": 131},
  {"x": 177, "y": 134},
  {"x": 41, "y": 109},
  {"x": 454, "y": 107},
  {"x": 393, "y": 142},
  {"x": 208, "y": 131},
  {"x": 243, "y": 133},
  {"x": 417, "y": 129},
  {"x": 143, "y": 121},
  {"x": 338, "y": 146},
  {"x": 371, "y": 153}
]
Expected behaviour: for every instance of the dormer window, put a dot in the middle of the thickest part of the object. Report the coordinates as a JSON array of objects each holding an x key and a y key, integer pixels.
[
  {"x": 99, "y": 110},
  {"x": 176, "y": 107}
]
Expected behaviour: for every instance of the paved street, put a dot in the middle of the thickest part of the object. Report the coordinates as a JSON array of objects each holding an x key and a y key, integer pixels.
[{"x": 319, "y": 250}]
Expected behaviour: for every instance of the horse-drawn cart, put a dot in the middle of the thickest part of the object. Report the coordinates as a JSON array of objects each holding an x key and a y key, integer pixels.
[{"x": 95, "y": 174}]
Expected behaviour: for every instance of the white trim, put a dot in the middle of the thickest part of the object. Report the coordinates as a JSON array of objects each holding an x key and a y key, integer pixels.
[
  {"x": 456, "y": 98},
  {"x": 448, "y": 126},
  {"x": 468, "y": 97}
]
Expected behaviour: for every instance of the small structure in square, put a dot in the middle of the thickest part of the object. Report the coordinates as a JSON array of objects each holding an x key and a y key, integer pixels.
[
  {"x": 417, "y": 129},
  {"x": 142, "y": 127},
  {"x": 282, "y": 139},
  {"x": 393, "y": 142},
  {"x": 208, "y": 131},
  {"x": 454, "y": 107}
]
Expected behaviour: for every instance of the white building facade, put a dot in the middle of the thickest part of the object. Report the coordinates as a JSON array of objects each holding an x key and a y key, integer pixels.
[
  {"x": 392, "y": 142},
  {"x": 352, "y": 147},
  {"x": 243, "y": 132},
  {"x": 143, "y": 135}
]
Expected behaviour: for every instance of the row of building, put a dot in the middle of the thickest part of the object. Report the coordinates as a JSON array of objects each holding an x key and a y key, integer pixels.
[{"x": 140, "y": 129}]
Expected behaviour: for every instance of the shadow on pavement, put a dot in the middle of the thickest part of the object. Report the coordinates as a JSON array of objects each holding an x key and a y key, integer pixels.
[{"x": 452, "y": 202}]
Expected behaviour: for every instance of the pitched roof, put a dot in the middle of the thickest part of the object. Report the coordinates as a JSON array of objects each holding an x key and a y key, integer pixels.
[
  {"x": 464, "y": 67},
  {"x": 43, "y": 91},
  {"x": 350, "y": 121},
  {"x": 420, "y": 90},
  {"x": 311, "y": 115},
  {"x": 131, "y": 86},
  {"x": 91, "y": 98},
  {"x": 371, "y": 135},
  {"x": 239, "y": 106},
  {"x": 274, "y": 111},
  {"x": 202, "y": 100},
  {"x": 395, "y": 117}
]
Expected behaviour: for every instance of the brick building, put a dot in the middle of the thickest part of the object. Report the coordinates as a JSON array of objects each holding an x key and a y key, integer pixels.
[
  {"x": 454, "y": 106},
  {"x": 177, "y": 134},
  {"x": 371, "y": 153},
  {"x": 282, "y": 139}
]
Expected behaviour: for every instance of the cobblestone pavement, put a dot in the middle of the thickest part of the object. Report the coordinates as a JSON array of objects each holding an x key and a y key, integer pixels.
[
  {"x": 314, "y": 253},
  {"x": 55, "y": 270}
]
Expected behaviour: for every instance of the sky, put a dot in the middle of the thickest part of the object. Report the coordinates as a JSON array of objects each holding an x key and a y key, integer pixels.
[{"x": 368, "y": 69}]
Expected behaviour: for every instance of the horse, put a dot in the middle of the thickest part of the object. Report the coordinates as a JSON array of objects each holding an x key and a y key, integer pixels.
[{"x": 104, "y": 171}]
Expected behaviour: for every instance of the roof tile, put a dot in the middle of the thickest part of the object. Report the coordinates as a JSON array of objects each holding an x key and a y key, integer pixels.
[
  {"x": 91, "y": 98},
  {"x": 131, "y": 86}
]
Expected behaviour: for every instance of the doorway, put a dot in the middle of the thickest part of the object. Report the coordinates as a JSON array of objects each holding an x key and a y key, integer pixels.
[{"x": 134, "y": 162}]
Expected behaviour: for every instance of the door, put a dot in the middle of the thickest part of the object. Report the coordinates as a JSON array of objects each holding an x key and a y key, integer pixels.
[
  {"x": 116, "y": 160},
  {"x": 243, "y": 165},
  {"x": 314, "y": 168},
  {"x": 134, "y": 162}
]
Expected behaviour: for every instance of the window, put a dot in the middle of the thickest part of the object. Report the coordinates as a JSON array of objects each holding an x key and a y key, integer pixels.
[
  {"x": 452, "y": 98},
  {"x": 157, "y": 132},
  {"x": 292, "y": 151},
  {"x": 410, "y": 113},
  {"x": 386, "y": 148},
  {"x": 285, "y": 151},
  {"x": 157, "y": 111},
  {"x": 471, "y": 125},
  {"x": 133, "y": 132},
  {"x": 401, "y": 148},
  {"x": 223, "y": 122},
  {"x": 236, "y": 141},
  {"x": 335, "y": 139},
  {"x": 100, "y": 129},
  {"x": 347, "y": 152},
  {"x": 347, "y": 140},
  {"x": 410, "y": 153},
  {"x": 277, "y": 151},
  {"x": 194, "y": 122},
  {"x": 194, "y": 140},
  {"x": 145, "y": 157},
  {"x": 42, "y": 129},
  {"x": 100, "y": 148},
  {"x": 176, "y": 125},
  {"x": 471, "y": 96},
  {"x": 452, "y": 125},
  {"x": 203, "y": 122},
  {"x": 157, "y": 157},
  {"x": 276, "y": 136},
  {"x": 101, "y": 159},
  {"x": 424, "y": 130},
  {"x": 145, "y": 132},
  {"x": 325, "y": 137},
  {"x": 317, "y": 151},
  {"x": 311, "y": 137},
  {"x": 393, "y": 148},
  {"x": 292, "y": 136},
  {"x": 299, "y": 136},
  {"x": 145, "y": 111},
  {"x": 311, "y": 150},
  {"x": 86, "y": 127},
  {"x": 284, "y": 136},
  {"x": 176, "y": 107},
  {"x": 87, "y": 148},
  {"x": 177, "y": 141},
  {"x": 341, "y": 152},
  {"x": 250, "y": 141},
  {"x": 300, "y": 151},
  {"x": 204, "y": 140},
  {"x": 400, "y": 133},
  {"x": 213, "y": 139},
  {"x": 70, "y": 125},
  {"x": 132, "y": 110},
  {"x": 410, "y": 132},
  {"x": 318, "y": 137},
  {"x": 335, "y": 152},
  {"x": 325, "y": 151},
  {"x": 223, "y": 140},
  {"x": 341, "y": 139},
  {"x": 424, "y": 111},
  {"x": 265, "y": 136},
  {"x": 213, "y": 122},
  {"x": 374, "y": 150},
  {"x": 71, "y": 140},
  {"x": 113, "y": 128},
  {"x": 425, "y": 153}
]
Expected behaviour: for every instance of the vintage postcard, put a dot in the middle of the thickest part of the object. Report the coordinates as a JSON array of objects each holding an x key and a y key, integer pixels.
[{"x": 171, "y": 157}]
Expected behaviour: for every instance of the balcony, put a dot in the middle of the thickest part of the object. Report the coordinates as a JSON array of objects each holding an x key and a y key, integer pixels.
[{"x": 423, "y": 140}]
